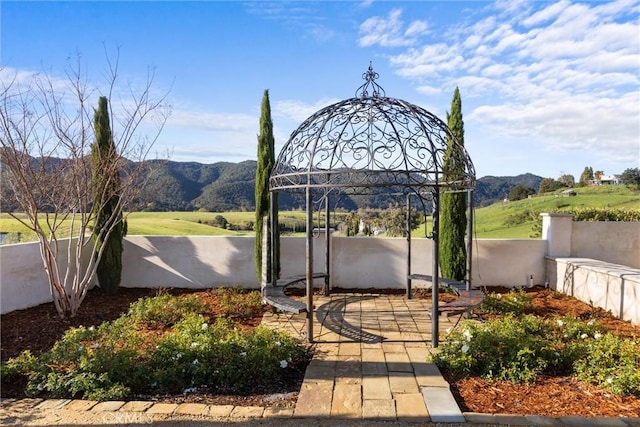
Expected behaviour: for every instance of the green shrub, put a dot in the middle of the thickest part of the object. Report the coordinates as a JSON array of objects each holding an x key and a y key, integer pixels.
[
  {"x": 514, "y": 349},
  {"x": 116, "y": 361},
  {"x": 613, "y": 363},
  {"x": 514, "y": 302},
  {"x": 165, "y": 308},
  {"x": 519, "y": 349},
  {"x": 220, "y": 357},
  {"x": 604, "y": 214},
  {"x": 237, "y": 303}
]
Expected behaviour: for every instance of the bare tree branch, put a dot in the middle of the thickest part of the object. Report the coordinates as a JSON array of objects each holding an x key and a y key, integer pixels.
[{"x": 46, "y": 133}]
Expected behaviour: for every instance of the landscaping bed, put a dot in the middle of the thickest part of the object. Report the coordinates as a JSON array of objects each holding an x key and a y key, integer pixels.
[
  {"x": 37, "y": 329},
  {"x": 554, "y": 395}
]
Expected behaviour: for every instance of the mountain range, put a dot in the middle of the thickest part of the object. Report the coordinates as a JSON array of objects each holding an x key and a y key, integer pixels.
[{"x": 225, "y": 186}]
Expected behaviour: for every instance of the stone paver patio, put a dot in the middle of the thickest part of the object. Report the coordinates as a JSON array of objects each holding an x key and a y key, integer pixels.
[{"x": 370, "y": 359}]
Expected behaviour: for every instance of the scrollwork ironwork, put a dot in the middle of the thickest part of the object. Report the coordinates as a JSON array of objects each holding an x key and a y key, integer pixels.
[{"x": 360, "y": 144}]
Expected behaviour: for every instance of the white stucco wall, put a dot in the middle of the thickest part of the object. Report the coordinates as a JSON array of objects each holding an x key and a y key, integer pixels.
[
  {"x": 188, "y": 261},
  {"x": 508, "y": 262},
  {"x": 613, "y": 287},
  {"x": 23, "y": 281},
  {"x": 616, "y": 242}
]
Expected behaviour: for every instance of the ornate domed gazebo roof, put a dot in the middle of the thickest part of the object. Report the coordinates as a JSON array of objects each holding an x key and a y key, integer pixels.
[{"x": 371, "y": 141}]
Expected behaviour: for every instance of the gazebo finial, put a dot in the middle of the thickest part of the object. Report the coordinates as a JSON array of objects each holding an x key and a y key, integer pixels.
[{"x": 369, "y": 77}]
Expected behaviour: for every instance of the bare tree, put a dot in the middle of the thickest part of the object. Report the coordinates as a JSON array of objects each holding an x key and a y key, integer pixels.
[{"x": 46, "y": 132}]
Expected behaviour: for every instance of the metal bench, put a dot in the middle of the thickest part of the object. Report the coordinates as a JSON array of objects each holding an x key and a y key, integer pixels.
[
  {"x": 467, "y": 301},
  {"x": 276, "y": 298}
]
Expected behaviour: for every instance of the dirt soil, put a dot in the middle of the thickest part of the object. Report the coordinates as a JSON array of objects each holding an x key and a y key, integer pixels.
[{"x": 37, "y": 328}]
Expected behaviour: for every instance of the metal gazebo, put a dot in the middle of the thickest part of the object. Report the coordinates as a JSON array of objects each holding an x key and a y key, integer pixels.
[{"x": 357, "y": 146}]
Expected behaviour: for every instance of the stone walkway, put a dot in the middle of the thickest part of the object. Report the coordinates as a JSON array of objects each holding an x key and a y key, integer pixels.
[
  {"x": 370, "y": 360},
  {"x": 369, "y": 369}
]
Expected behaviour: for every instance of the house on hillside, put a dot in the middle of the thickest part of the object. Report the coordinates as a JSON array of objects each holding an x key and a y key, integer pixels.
[{"x": 608, "y": 180}]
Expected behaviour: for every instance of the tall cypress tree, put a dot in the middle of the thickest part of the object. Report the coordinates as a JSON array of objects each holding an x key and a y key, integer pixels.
[
  {"x": 266, "y": 161},
  {"x": 453, "y": 214},
  {"x": 106, "y": 196}
]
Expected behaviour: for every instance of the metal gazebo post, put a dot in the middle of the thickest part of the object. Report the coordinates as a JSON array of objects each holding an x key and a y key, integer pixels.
[
  {"x": 309, "y": 265},
  {"x": 408, "y": 228},
  {"x": 469, "y": 238},
  {"x": 435, "y": 320},
  {"x": 327, "y": 246}
]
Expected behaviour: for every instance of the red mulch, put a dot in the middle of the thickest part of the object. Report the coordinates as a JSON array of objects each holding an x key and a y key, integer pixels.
[
  {"x": 550, "y": 396},
  {"x": 37, "y": 328}
]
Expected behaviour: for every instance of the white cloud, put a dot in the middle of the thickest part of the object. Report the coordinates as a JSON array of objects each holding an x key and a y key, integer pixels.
[
  {"x": 388, "y": 31},
  {"x": 562, "y": 73},
  {"x": 416, "y": 28}
]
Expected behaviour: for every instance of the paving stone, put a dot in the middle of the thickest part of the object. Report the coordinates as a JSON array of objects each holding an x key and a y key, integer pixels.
[
  {"x": 347, "y": 401},
  {"x": 136, "y": 406},
  {"x": 28, "y": 403},
  {"x": 474, "y": 417},
  {"x": 192, "y": 409},
  {"x": 417, "y": 354},
  {"x": 383, "y": 410},
  {"x": 633, "y": 422},
  {"x": 393, "y": 347},
  {"x": 314, "y": 399},
  {"x": 219, "y": 411},
  {"x": 403, "y": 382},
  {"x": 81, "y": 405},
  {"x": 372, "y": 345},
  {"x": 398, "y": 362},
  {"x": 376, "y": 388},
  {"x": 348, "y": 369},
  {"x": 274, "y": 412},
  {"x": 349, "y": 349},
  {"x": 603, "y": 422},
  {"x": 110, "y": 406},
  {"x": 247, "y": 412},
  {"x": 540, "y": 421},
  {"x": 319, "y": 370},
  {"x": 428, "y": 375},
  {"x": 162, "y": 408},
  {"x": 373, "y": 355},
  {"x": 374, "y": 369},
  {"x": 411, "y": 407},
  {"x": 326, "y": 351},
  {"x": 441, "y": 405},
  {"x": 511, "y": 420}
]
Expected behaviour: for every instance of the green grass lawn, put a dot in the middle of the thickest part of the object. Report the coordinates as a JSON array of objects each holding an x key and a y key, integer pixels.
[{"x": 510, "y": 220}]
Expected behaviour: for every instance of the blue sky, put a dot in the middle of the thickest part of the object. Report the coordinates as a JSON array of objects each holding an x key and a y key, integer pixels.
[{"x": 547, "y": 87}]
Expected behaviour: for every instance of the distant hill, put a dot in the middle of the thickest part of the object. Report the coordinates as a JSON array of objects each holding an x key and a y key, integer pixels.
[
  {"x": 490, "y": 189},
  {"x": 224, "y": 186}
]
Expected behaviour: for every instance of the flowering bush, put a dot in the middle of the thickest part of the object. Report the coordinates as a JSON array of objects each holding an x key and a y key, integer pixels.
[
  {"x": 514, "y": 302},
  {"x": 519, "y": 349},
  {"x": 119, "y": 360}
]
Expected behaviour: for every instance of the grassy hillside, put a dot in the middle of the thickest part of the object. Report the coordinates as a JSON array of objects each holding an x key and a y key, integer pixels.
[
  {"x": 516, "y": 219},
  {"x": 500, "y": 220}
]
